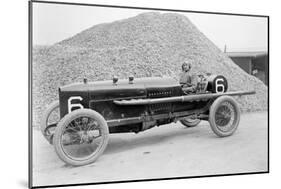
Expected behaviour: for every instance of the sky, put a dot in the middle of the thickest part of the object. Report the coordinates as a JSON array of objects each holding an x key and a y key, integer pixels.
[{"x": 55, "y": 22}]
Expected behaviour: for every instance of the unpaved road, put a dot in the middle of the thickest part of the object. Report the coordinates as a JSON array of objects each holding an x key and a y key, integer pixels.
[{"x": 167, "y": 151}]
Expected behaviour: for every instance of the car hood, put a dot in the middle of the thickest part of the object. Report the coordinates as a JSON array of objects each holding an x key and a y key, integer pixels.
[{"x": 138, "y": 83}]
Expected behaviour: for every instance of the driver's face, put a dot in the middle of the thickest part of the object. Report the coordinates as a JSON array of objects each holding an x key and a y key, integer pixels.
[{"x": 185, "y": 68}]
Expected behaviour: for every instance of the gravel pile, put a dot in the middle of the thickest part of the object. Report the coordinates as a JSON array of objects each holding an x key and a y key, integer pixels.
[{"x": 150, "y": 44}]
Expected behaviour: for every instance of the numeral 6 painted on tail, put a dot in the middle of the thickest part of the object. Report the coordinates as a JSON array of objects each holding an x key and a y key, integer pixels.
[
  {"x": 219, "y": 83},
  {"x": 74, "y": 105}
]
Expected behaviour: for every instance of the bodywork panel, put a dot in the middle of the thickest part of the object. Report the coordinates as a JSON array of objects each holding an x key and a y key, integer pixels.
[{"x": 139, "y": 105}]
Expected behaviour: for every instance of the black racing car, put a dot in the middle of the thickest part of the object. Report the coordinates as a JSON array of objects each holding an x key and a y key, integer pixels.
[{"x": 89, "y": 111}]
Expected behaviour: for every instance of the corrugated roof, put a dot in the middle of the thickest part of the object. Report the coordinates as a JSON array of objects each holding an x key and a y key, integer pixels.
[{"x": 246, "y": 54}]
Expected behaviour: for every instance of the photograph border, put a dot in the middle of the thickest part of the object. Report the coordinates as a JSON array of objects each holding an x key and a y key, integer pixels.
[{"x": 30, "y": 56}]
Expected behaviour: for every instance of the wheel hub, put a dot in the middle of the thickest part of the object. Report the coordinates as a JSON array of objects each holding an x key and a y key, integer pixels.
[
  {"x": 84, "y": 138},
  {"x": 224, "y": 114}
]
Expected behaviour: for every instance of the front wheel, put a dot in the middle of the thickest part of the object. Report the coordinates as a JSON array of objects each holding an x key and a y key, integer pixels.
[
  {"x": 224, "y": 116},
  {"x": 81, "y": 137}
]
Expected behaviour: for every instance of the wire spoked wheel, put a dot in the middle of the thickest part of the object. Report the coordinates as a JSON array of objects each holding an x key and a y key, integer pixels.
[
  {"x": 81, "y": 137},
  {"x": 224, "y": 116},
  {"x": 49, "y": 121}
]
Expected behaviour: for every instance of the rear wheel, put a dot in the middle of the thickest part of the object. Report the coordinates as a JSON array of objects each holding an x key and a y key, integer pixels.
[
  {"x": 224, "y": 116},
  {"x": 81, "y": 137},
  {"x": 49, "y": 121},
  {"x": 190, "y": 122}
]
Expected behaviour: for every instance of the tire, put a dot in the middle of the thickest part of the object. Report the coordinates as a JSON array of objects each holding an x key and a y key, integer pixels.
[
  {"x": 44, "y": 121},
  {"x": 189, "y": 122},
  {"x": 224, "y": 116},
  {"x": 68, "y": 128}
]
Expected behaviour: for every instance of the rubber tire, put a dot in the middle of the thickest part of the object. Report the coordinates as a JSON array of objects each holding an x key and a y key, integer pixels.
[
  {"x": 190, "y": 123},
  {"x": 65, "y": 121},
  {"x": 213, "y": 110},
  {"x": 46, "y": 114}
]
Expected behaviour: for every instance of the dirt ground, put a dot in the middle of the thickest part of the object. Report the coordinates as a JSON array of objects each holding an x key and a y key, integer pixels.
[{"x": 161, "y": 152}]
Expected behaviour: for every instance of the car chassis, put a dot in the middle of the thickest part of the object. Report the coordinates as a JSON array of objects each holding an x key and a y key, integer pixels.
[{"x": 89, "y": 111}]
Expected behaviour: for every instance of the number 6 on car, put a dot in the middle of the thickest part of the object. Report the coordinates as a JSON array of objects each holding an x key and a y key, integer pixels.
[
  {"x": 74, "y": 105},
  {"x": 89, "y": 111},
  {"x": 219, "y": 85}
]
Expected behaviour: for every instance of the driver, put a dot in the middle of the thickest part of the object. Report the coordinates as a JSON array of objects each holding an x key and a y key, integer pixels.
[{"x": 187, "y": 80}]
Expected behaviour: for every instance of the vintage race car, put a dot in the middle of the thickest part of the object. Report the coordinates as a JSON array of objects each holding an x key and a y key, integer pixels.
[{"x": 89, "y": 111}]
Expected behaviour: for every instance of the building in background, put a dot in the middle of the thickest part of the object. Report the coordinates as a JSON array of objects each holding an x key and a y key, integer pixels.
[{"x": 254, "y": 63}]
